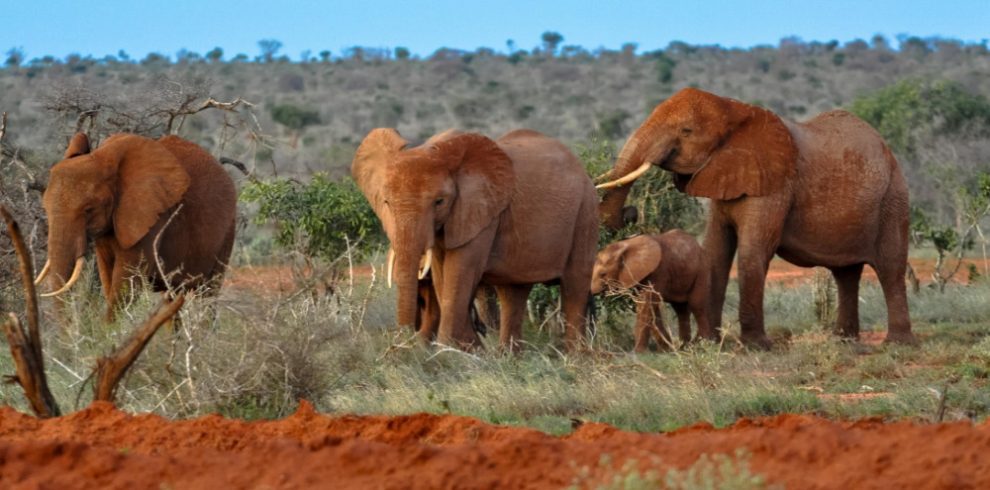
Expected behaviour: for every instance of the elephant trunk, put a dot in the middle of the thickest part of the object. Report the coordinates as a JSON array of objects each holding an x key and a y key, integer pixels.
[
  {"x": 66, "y": 246},
  {"x": 409, "y": 250},
  {"x": 639, "y": 149}
]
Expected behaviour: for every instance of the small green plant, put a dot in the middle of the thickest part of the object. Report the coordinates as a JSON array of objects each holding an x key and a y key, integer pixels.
[
  {"x": 322, "y": 218},
  {"x": 709, "y": 472}
]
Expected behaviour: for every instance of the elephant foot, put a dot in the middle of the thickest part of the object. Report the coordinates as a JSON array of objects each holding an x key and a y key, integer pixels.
[
  {"x": 902, "y": 338},
  {"x": 757, "y": 341}
]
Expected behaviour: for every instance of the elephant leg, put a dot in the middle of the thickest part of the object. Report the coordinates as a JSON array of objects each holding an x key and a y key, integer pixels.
[
  {"x": 644, "y": 323},
  {"x": 649, "y": 322},
  {"x": 720, "y": 248},
  {"x": 574, "y": 303},
  {"x": 754, "y": 259},
  {"x": 512, "y": 300},
  {"x": 891, "y": 275},
  {"x": 486, "y": 305},
  {"x": 455, "y": 282},
  {"x": 575, "y": 284},
  {"x": 428, "y": 314},
  {"x": 847, "y": 282},
  {"x": 683, "y": 321},
  {"x": 891, "y": 261},
  {"x": 698, "y": 306}
]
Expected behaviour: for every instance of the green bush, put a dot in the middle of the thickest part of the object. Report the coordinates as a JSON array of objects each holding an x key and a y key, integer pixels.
[
  {"x": 322, "y": 217},
  {"x": 898, "y": 110},
  {"x": 294, "y": 117}
]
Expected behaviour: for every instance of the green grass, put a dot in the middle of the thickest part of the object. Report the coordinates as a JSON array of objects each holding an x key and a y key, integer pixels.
[
  {"x": 254, "y": 357},
  {"x": 709, "y": 472}
]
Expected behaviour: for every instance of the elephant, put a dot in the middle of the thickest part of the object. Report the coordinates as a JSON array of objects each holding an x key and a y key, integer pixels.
[
  {"x": 670, "y": 267},
  {"x": 483, "y": 313},
  {"x": 826, "y": 192},
  {"x": 482, "y": 212},
  {"x": 123, "y": 196}
]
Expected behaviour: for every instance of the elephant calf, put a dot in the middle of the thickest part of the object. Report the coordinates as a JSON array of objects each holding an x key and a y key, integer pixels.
[{"x": 668, "y": 267}]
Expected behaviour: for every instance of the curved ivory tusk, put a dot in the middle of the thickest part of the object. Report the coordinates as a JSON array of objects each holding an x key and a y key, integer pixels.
[
  {"x": 602, "y": 176},
  {"x": 43, "y": 273},
  {"x": 625, "y": 179},
  {"x": 429, "y": 261},
  {"x": 76, "y": 272},
  {"x": 391, "y": 265}
]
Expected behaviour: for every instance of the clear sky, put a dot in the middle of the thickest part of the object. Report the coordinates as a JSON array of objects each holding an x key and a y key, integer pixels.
[{"x": 101, "y": 27}]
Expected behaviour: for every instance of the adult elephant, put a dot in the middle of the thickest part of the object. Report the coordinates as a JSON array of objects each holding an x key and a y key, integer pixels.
[
  {"x": 511, "y": 213},
  {"x": 826, "y": 192},
  {"x": 121, "y": 196}
]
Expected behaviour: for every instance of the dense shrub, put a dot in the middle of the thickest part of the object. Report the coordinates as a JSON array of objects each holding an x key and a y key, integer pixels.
[{"x": 322, "y": 217}]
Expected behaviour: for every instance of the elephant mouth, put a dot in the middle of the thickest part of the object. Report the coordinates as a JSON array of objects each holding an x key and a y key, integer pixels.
[
  {"x": 681, "y": 181},
  {"x": 666, "y": 161}
]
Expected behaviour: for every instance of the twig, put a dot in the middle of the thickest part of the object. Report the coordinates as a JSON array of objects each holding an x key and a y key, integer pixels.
[
  {"x": 158, "y": 259},
  {"x": 110, "y": 369},
  {"x": 236, "y": 164}
]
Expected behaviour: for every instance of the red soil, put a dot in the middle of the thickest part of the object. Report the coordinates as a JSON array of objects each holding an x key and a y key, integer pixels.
[
  {"x": 280, "y": 278},
  {"x": 101, "y": 447}
]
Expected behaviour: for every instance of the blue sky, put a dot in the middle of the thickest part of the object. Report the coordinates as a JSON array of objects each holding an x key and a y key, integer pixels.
[{"x": 101, "y": 27}]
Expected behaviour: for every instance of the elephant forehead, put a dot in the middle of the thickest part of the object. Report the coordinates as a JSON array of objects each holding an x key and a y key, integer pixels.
[
  {"x": 410, "y": 176},
  {"x": 692, "y": 105}
]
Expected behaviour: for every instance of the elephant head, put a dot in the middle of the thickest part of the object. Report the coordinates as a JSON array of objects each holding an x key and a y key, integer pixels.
[
  {"x": 440, "y": 194},
  {"x": 120, "y": 188},
  {"x": 716, "y": 147},
  {"x": 624, "y": 264}
]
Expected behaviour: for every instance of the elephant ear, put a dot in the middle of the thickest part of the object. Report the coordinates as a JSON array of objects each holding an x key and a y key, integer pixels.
[
  {"x": 444, "y": 136},
  {"x": 640, "y": 257},
  {"x": 485, "y": 179},
  {"x": 150, "y": 181},
  {"x": 78, "y": 145},
  {"x": 757, "y": 157},
  {"x": 368, "y": 170}
]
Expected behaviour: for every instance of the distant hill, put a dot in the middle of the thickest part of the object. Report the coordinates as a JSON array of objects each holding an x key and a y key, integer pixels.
[{"x": 325, "y": 107}]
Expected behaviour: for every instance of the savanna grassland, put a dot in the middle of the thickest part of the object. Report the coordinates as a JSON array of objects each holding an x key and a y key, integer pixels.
[{"x": 321, "y": 327}]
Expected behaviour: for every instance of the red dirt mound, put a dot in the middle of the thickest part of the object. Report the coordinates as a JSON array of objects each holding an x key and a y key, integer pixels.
[{"x": 101, "y": 447}]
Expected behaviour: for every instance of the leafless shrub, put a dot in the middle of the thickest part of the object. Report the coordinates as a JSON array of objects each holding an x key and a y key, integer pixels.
[{"x": 26, "y": 346}]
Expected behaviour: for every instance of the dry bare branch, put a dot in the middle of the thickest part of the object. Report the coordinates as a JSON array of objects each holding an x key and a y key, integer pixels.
[
  {"x": 25, "y": 348},
  {"x": 234, "y": 163},
  {"x": 111, "y": 369},
  {"x": 27, "y": 278},
  {"x": 30, "y": 373}
]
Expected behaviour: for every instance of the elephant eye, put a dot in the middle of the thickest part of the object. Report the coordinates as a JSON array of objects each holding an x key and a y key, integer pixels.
[
  {"x": 686, "y": 131},
  {"x": 438, "y": 202}
]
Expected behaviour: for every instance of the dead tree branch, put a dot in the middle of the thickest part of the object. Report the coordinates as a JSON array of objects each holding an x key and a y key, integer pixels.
[
  {"x": 27, "y": 278},
  {"x": 30, "y": 374},
  {"x": 26, "y": 347},
  {"x": 185, "y": 110},
  {"x": 111, "y": 369}
]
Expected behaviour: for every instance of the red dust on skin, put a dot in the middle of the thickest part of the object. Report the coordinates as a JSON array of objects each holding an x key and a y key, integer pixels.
[{"x": 101, "y": 447}]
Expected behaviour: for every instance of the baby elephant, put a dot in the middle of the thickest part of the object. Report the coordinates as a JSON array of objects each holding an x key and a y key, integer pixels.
[{"x": 668, "y": 267}]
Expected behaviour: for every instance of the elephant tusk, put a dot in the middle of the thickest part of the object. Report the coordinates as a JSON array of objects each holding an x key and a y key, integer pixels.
[
  {"x": 426, "y": 267},
  {"x": 602, "y": 176},
  {"x": 625, "y": 179},
  {"x": 391, "y": 265},
  {"x": 43, "y": 273},
  {"x": 76, "y": 272}
]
